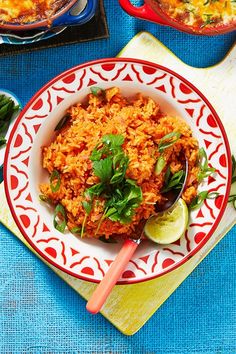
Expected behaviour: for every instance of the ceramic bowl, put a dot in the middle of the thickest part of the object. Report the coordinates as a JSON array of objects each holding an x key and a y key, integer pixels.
[{"x": 89, "y": 259}]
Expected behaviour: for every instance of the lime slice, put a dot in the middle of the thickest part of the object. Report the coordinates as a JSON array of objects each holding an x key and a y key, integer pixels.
[{"x": 169, "y": 226}]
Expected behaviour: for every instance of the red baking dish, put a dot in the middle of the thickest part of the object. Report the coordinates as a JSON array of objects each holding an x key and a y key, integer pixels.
[{"x": 152, "y": 11}]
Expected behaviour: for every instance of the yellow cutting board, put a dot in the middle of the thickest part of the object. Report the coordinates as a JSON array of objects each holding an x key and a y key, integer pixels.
[{"x": 130, "y": 306}]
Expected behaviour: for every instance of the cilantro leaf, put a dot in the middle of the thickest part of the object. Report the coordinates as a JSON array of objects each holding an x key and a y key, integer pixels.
[
  {"x": 103, "y": 169},
  {"x": 113, "y": 140}
]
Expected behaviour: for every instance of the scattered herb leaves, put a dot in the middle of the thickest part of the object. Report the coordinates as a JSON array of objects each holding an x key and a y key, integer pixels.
[
  {"x": 45, "y": 199},
  {"x": 60, "y": 218},
  {"x": 168, "y": 140},
  {"x": 173, "y": 181},
  {"x": 160, "y": 165},
  {"x": 55, "y": 181},
  {"x": 205, "y": 170},
  {"x": 75, "y": 230},
  {"x": 96, "y": 91},
  {"x": 199, "y": 199}
]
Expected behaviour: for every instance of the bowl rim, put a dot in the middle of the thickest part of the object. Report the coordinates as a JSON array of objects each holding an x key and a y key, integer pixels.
[
  {"x": 38, "y": 24},
  {"x": 104, "y": 61}
]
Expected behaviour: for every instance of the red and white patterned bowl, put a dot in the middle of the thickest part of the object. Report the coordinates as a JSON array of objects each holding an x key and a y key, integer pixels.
[{"x": 90, "y": 259}]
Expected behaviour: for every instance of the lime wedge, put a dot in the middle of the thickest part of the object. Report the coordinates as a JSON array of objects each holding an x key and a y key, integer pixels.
[{"x": 169, "y": 226}]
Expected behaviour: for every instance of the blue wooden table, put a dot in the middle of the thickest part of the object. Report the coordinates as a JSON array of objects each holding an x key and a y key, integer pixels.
[{"x": 43, "y": 315}]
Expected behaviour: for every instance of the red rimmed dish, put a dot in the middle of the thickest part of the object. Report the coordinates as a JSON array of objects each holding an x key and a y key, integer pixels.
[
  {"x": 62, "y": 16},
  {"x": 89, "y": 259},
  {"x": 160, "y": 12}
]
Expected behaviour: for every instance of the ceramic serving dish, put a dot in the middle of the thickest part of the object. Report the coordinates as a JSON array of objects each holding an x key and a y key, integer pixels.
[
  {"x": 63, "y": 17},
  {"x": 89, "y": 259},
  {"x": 152, "y": 11}
]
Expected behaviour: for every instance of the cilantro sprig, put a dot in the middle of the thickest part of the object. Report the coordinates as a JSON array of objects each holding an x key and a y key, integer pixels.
[{"x": 122, "y": 195}]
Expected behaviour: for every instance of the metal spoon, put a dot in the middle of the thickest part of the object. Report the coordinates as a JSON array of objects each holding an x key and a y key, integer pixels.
[{"x": 117, "y": 267}]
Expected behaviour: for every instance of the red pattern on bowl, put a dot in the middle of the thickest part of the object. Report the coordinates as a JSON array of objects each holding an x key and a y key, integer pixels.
[{"x": 90, "y": 259}]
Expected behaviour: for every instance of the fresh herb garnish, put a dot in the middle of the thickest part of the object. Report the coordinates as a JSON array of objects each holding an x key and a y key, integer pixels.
[
  {"x": 168, "y": 140},
  {"x": 2, "y": 141},
  {"x": 75, "y": 230},
  {"x": 62, "y": 122},
  {"x": 122, "y": 196},
  {"x": 208, "y": 20},
  {"x": 205, "y": 170},
  {"x": 59, "y": 220},
  {"x": 96, "y": 91},
  {"x": 44, "y": 198},
  {"x": 87, "y": 206},
  {"x": 160, "y": 164},
  {"x": 55, "y": 181},
  {"x": 7, "y": 109},
  {"x": 199, "y": 199},
  {"x": 173, "y": 181}
]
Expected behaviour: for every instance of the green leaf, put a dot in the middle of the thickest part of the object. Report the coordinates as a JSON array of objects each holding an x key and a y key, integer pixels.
[
  {"x": 168, "y": 140},
  {"x": 117, "y": 178},
  {"x": 96, "y": 91},
  {"x": 161, "y": 162},
  {"x": 205, "y": 170},
  {"x": 96, "y": 189},
  {"x": 233, "y": 165},
  {"x": 113, "y": 140},
  {"x": 175, "y": 181},
  {"x": 199, "y": 199},
  {"x": 59, "y": 220},
  {"x": 87, "y": 206},
  {"x": 232, "y": 197},
  {"x": 2, "y": 141},
  {"x": 44, "y": 198},
  {"x": 75, "y": 230},
  {"x": 55, "y": 177},
  {"x": 103, "y": 169},
  {"x": 212, "y": 195},
  {"x": 96, "y": 155},
  {"x": 7, "y": 109}
]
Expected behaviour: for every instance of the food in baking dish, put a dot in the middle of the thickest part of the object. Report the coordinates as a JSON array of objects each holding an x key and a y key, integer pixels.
[
  {"x": 27, "y": 11},
  {"x": 201, "y": 14}
]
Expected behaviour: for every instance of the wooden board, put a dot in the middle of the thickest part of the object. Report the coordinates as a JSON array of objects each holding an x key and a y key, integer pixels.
[{"x": 130, "y": 306}]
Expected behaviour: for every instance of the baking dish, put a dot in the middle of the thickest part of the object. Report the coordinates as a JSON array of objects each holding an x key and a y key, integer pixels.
[{"x": 152, "y": 11}]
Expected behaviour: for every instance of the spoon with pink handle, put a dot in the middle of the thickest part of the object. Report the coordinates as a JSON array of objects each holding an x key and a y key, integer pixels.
[{"x": 117, "y": 267}]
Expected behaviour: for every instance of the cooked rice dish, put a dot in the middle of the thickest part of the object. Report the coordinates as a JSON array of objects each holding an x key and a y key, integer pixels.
[{"x": 111, "y": 161}]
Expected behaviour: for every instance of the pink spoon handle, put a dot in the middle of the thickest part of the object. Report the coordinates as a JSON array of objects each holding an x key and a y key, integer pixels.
[{"x": 106, "y": 285}]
